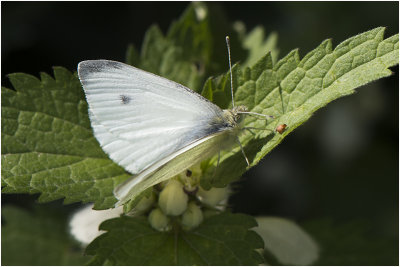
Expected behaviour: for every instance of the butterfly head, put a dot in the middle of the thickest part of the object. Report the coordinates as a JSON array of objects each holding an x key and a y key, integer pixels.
[
  {"x": 233, "y": 116},
  {"x": 236, "y": 113}
]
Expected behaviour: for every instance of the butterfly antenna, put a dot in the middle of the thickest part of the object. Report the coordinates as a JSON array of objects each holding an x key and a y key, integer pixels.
[
  {"x": 230, "y": 67},
  {"x": 253, "y": 114}
]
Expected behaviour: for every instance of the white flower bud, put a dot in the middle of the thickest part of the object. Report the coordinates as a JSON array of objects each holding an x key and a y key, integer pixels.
[
  {"x": 173, "y": 200},
  {"x": 213, "y": 196},
  {"x": 158, "y": 220},
  {"x": 145, "y": 203},
  {"x": 192, "y": 217}
]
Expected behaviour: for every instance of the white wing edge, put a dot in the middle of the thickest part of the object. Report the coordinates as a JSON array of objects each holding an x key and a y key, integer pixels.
[{"x": 121, "y": 192}]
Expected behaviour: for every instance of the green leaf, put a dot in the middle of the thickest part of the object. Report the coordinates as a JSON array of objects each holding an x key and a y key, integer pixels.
[
  {"x": 47, "y": 142},
  {"x": 352, "y": 243},
  {"x": 132, "y": 56},
  {"x": 293, "y": 89},
  {"x": 192, "y": 49},
  {"x": 37, "y": 238},
  {"x": 258, "y": 47},
  {"x": 221, "y": 240},
  {"x": 179, "y": 56}
]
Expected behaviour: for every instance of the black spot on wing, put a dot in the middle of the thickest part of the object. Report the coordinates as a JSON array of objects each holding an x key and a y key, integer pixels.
[
  {"x": 125, "y": 99},
  {"x": 92, "y": 66}
]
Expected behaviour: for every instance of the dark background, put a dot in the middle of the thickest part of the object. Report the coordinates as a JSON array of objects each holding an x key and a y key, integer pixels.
[{"x": 342, "y": 165}]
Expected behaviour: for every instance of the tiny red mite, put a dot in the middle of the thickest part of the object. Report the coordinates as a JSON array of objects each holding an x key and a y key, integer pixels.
[{"x": 281, "y": 128}]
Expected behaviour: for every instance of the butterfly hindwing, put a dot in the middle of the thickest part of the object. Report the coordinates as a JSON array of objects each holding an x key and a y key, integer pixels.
[{"x": 172, "y": 165}]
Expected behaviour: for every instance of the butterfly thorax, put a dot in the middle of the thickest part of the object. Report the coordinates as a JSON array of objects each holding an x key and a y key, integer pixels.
[{"x": 232, "y": 116}]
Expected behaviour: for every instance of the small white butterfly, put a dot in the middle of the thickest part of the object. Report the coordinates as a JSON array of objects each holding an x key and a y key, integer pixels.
[{"x": 153, "y": 127}]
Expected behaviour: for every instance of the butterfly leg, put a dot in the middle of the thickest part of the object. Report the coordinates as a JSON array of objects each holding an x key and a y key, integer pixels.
[
  {"x": 255, "y": 128},
  {"x": 240, "y": 144},
  {"x": 249, "y": 131}
]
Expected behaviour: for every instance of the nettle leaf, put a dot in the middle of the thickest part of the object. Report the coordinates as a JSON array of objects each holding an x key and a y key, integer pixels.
[
  {"x": 183, "y": 54},
  {"x": 47, "y": 142},
  {"x": 223, "y": 239},
  {"x": 37, "y": 238},
  {"x": 293, "y": 89},
  {"x": 192, "y": 49},
  {"x": 258, "y": 45}
]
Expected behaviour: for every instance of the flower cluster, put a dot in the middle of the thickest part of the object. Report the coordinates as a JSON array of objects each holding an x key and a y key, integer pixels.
[{"x": 181, "y": 201}]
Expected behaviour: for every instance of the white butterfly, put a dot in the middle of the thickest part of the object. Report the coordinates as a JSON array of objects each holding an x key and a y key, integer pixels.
[{"x": 153, "y": 127}]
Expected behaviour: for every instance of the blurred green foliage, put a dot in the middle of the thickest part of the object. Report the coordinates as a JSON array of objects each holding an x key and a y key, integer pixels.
[{"x": 38, "y": 237}]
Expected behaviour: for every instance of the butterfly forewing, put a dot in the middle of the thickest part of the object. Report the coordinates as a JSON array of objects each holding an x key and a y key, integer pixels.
[{"x": 140, "y": 118}]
